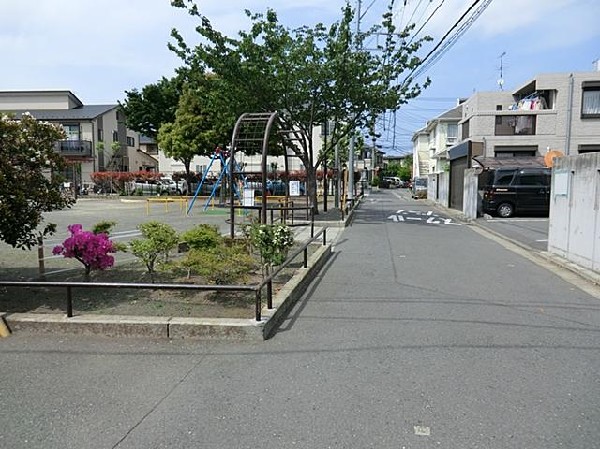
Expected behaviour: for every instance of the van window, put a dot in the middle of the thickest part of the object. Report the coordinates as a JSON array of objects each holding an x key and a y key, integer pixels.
[
  {"x": 532, "y": 179},
  {"x": 504, "y": 177}
]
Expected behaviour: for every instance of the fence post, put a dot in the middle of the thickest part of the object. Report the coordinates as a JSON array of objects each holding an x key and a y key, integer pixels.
[
  {"x": 306, "y": 257},
  {"x": 69, "y": 302},
  {"x": 270, "y": 293},
  {"x": 41, "y": 264},
  {"x": 257, "y": 305},
  {"x": 324, "y": 236}
]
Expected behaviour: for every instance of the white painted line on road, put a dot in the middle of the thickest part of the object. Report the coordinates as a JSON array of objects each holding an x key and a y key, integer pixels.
[
  {"x": 542, "y": 240},
  {"x": 422, "y": 431},
  {"x": 516, "y": 220}
]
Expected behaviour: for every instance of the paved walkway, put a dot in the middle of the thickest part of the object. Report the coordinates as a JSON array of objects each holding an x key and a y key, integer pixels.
[{"x": 419, "y": 333}]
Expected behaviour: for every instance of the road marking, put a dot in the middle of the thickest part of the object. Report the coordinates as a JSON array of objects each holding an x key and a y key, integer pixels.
[
  {"x": 516, "y": 220},
  {"x": 413, "y": 215},
  {"x": 422, "y": 431},
  {"x": 542, "y": 240}
]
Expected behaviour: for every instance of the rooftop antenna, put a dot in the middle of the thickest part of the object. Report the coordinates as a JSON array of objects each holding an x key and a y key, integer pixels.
[{"x": 501, "y": 79}]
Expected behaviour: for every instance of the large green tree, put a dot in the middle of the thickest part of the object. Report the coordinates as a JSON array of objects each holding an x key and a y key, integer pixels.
[
  {"x": 147, "y": 110},
  {"x": 309, "y": 74},
  {"x": 29, "y": 179},
  {"x": 196, "y": 129}
]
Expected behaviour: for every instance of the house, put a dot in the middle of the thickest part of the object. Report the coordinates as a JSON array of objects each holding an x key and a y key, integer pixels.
[
  {"x": 431, "y": 143},
  {"x": 97, "y": 138}
]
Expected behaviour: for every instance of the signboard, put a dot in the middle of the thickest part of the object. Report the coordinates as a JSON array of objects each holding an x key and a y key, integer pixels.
[
  {"x": 561, "y": 183},
  {"x": 294, "y": 188},
  {"x": 249, "y": 197}
]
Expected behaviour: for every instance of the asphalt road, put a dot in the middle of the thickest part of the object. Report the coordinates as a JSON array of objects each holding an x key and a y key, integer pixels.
[
  {"x": 529, "y": 231},
  {"x": 419, "y": 333}
]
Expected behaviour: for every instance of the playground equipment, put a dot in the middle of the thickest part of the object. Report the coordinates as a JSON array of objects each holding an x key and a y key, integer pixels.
[
  {"x": 251, "y": 135},
  {"x": 226, "y": 168}
]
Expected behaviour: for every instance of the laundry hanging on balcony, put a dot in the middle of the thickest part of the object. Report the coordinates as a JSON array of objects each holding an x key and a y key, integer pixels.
[{"x": 533, "y": 102}]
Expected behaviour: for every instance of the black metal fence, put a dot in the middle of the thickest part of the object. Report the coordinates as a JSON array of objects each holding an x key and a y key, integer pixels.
[{"x": 256, "y": 288}]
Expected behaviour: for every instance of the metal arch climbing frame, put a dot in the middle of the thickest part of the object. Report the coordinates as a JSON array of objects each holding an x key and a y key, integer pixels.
[{"x": 252, "y": 129}]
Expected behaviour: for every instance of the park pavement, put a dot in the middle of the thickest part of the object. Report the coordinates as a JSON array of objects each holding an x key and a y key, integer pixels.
[{"x": 418, "y": 333}]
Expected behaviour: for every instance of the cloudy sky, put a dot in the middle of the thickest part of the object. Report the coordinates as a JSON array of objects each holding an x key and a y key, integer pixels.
[{"x": 98, "y": 49}]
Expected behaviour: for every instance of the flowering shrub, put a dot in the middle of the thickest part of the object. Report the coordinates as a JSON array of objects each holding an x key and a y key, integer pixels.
[
  {"x": 272, "y": 241},
  {"x": 92, "y": 250}
]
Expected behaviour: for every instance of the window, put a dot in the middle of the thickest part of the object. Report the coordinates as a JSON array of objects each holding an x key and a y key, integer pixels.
[
  {"x": 504, "y": 177},
  {"x": 590, "y": 103},
  {"x": 72, "y": 131},
  {"x": 452, "y": 132},
  {"x": 532, "y": 179},
  {"x": 100, "y": 135},
  {"x": 115, "y": 136},
  {"x": 130, "y": 141},
  {"x": 465, "y": 130},
  {"x": 591, "y": 148},
  {"x": 515, "y": 125},
  {"x": 503, "y": 152}
]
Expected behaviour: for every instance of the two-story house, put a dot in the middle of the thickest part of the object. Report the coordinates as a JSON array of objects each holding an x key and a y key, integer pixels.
[
  {"x": 431, "y": 144},
  {"x": 97, "y": 138}
]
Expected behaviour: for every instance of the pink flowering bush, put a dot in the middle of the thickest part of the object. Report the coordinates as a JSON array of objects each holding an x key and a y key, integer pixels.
[{"x": 92, "y": 250}]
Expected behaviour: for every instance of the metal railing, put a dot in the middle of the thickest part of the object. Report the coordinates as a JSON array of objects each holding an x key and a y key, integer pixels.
[{"x": 256, "y": 288}]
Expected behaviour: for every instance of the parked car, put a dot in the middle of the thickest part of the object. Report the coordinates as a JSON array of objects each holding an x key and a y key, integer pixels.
[
  {"x": 175, "y": 187},
  {"x": 278, "y": 188},
  {"x": 507, "y": 191},
  {"x": 419, "y": 188},
  {"x": 149, "y": 187},
  {"x": 394, "y": 181}
]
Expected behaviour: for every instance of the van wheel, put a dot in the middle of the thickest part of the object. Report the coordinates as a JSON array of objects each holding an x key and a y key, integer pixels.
[{"x": 506, "y": 210}]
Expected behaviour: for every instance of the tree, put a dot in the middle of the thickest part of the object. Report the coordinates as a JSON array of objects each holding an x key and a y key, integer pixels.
[
  {"x": 309, "y": 74},
  {"x": 148, "y": 110},
  {"x": 196, "y": 130},
  {"x": 30, "y": 179}
]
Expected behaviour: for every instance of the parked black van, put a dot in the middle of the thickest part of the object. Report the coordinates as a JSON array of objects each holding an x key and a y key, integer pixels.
[{"x": 507, "y": 191}]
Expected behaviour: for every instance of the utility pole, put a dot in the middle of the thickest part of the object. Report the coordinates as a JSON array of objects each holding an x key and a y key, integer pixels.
[{"x": 352, "y": 137}]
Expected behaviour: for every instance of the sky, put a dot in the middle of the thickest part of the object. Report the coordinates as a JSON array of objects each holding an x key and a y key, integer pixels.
[{"x": 99, "y": 49}]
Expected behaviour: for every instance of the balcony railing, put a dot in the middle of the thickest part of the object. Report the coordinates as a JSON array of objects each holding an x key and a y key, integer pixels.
[{"x": 74, "y": 147}]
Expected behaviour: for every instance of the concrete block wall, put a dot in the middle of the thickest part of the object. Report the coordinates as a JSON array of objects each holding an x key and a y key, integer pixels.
[
  {"x": 574, "y": 225},
  {"x": 470, "y": 194}
]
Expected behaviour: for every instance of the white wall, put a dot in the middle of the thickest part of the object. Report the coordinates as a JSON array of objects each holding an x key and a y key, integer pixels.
[{"x": 574, "y": 229}]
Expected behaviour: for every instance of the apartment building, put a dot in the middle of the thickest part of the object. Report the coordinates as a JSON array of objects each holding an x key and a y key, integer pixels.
[
  {"x": 97, "y": 138},
  {"x": 550, "y": 112}
]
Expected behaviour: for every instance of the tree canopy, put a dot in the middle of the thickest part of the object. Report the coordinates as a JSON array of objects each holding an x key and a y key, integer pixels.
[
  {"x": 310, "y": 75},
  {"x": 197, "y": 128},
  {"x": 30, "y": 179},
  {"x": 156, "y": 104}
]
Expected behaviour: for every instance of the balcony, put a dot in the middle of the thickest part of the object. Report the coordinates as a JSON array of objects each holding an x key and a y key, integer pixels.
[{"x": 81, "y": 148}]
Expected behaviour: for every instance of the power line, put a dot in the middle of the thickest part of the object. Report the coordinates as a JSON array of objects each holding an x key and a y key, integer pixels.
[{"x": 442, "y": 47}]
